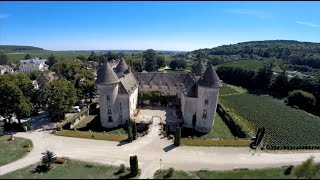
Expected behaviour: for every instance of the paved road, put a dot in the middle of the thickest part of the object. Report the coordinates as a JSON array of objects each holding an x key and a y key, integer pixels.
[{"x": 149, "y": 150}]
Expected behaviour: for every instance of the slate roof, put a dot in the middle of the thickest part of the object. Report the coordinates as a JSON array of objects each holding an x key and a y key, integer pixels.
[
  {"x": 199, "y": 68},
  {"x": 210, "y": 78},
  {"x": 129, "y": 83},
  {"x": 106, "y": 75},
  {"x": 122, "y": 67}
]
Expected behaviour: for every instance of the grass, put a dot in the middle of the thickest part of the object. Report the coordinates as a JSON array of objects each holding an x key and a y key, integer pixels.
[
  {"x": 176, "y": 175},
  {"x": 286, "y": 127},
  {"x": 215, "y": 142},
  {"x": 12, "y": 150},
  {"x": 268, "y": 173},
  {"x": 108, "y": 136},
  {"x": 245, "y": 64},
  {"x": 85, "y": 121},
  {"x": 228, "y": 89},
  {"x": 70, "y": 170}
]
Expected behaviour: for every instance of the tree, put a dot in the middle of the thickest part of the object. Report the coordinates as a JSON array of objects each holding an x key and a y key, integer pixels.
[
  {"x": 93, "y": 57},
  {"x": 130, "y": 136},
  {"x": 134, "y": 166},
  {"x": 178, "y": 63},
  {"x": 88, "y": 88},
  {"x": 48, "y": 158},
  {"x": 151, "y": 61},
  {"x": 281, "y": 84},
  {"x": 263, "y": 77},
  {"x": 134, "y": 130},
  {"x": 51, "y": 60},
  {"x": 307, "y": 169},
  {"x": 177, "y": 137},
  {"x": 160, "y": 61},
  {"x": 12, "y": 101},
  {"x": 302, "y": 99},
  {"x": 73, "y": 71},
  {"x": 81, "y": 57},
  {"x": 27, "y": 56},
  {"x": 3, "y": 58},
  {"x": 173, "y": 64},
  {"x": 61, "y": 96}
]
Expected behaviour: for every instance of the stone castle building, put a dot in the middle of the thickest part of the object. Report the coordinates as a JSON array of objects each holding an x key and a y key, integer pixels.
[{"x": 118, "y": 93}]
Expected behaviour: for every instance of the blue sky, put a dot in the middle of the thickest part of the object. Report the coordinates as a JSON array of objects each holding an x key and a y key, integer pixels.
[{"x": 158, "y": 25}]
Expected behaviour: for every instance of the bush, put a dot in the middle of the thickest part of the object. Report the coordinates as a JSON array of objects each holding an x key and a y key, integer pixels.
[
  {"x": 170, "y": 173},
  {"x": 122, "y": 168},
  {"x": 130, "y": 136},
  {"x": 177, "y": 137},
  {"x": 288, "y": 170},
  {"x": 134, "y": 167},
  {"x": 302, "y": 99}
]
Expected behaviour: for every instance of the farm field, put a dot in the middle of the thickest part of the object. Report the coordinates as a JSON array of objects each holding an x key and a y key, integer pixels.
[
  {"x": 245, "y": 64},
  {"x": 286, "y": 128},
  {"x": 228, "y": 89}
]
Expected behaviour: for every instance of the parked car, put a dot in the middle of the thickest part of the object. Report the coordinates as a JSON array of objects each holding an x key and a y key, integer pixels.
[{"x": 76, "y": 109}]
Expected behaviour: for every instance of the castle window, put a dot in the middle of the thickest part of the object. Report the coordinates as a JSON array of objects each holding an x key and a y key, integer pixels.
[
  {"x": 110, "y": 119},
  {"x": 204, "y": 116},
  {"x": 206, "y": 102},
  {"x": 108, "y": 97},
  {"x": 109, "y": 111},
  {"x": 120, "y": 106}
]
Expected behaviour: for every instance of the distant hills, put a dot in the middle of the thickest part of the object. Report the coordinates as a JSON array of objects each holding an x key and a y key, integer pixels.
[
  {"x": 301, "y": 55},
  {"x": 14, "y": 48}
]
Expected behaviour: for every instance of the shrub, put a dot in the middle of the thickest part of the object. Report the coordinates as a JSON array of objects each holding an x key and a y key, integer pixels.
[
  {"x": 177, "y": 137},
  {"x": 48, "y": 158},
  {"x": 134, "y": 167},
  {"x": 122, "y": 168},
  {"x": 134, "y": 130},
  {"x": 306, "y": 169},
  {"x": 288, "y": 170},
  {"x": 302, "y": 99},
  {"x": 130, "y": 136},
  {"x": 170, "y": 173}
]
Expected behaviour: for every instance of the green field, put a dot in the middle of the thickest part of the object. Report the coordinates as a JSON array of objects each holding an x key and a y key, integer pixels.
[
  {"x": 245, "y": 64},
  {"x": 108, "y": 136},
  {"x": 286, "y": 128},
  {"x": 228, "y": 89},
  {"x": 270, "y": 173},
  {"x": 12, "y": 150},
  {"x": 70, "y": 170}
]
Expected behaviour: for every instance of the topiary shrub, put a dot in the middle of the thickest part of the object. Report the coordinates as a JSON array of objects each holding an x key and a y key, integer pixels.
[
  {"x": 177, "y": 137},
  {"x": 134, "y": 167},
  {"x": 122, "y": 168},
  {"x": 170, "y": 173}
]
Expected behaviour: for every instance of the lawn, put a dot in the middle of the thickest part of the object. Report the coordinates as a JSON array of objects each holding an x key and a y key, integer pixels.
[
  {"x": 71, "y": 170},
  {"x": 109, "y": 136},
  {"x": 270, "y": 173},
  {"x": 216, "y": 142},
  {"x": 286, "y": 127},
  {"x": 228, "y": 89},
  {"x": 12, "y": 150},
  {"x": 176, "y": 175},
  {"x": 85, "y": 121}
]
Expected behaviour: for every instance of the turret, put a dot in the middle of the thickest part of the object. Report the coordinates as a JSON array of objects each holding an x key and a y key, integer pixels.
[
  {"x": 208, "y": 91},
  {"x": 199, "y": 68},
  {"x": 122, "y": 67},
  {"x": 108, "y": 87}
]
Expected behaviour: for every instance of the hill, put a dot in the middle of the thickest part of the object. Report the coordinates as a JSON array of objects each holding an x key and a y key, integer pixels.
[
  {"x": 15, "y": 48},
  {"x": 304, "y": 56}
]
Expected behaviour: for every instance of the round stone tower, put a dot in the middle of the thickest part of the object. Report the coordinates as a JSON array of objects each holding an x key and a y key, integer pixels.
[
  {"x": 208, "y": 92},
  {"x": 107, "y": 82}
]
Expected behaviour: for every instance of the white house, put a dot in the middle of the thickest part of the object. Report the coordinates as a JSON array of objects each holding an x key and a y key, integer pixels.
[
  {"x": 33, "y": 65},
  {"x": 6, "y": 69}
]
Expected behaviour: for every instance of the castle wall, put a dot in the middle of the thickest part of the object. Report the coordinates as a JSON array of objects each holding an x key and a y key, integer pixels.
[
  {"x": 165, "y": 90},
  {"x": 133, "y": 101},
  {"x": 205, "y": 124},
  {"x": 188, "y": 108}
]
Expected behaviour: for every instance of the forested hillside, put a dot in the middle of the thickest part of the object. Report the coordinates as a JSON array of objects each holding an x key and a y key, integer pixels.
[
  {"x": 14, "y": 48},
  {"x": 303, "y": 56}
]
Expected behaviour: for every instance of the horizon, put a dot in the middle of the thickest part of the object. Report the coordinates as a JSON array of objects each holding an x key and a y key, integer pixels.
[{"x": 163, "y": 26}]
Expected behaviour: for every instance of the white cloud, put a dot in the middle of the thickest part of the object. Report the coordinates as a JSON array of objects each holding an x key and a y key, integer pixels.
[
  {"x": 3, "y": 16},
  {"x": 308, "y": 24},
  {"x": 250, "y": 12}
]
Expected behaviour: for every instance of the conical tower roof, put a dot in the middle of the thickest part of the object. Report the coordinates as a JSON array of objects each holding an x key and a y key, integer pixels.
[
  {"x": 199, "y": 69},
  {"x": 210, "y": 78},
  {"x": 106, "y": 75},
  {"x": 122, "y": 67}
]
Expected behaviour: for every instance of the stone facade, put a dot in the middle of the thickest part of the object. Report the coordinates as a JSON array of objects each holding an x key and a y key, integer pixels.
[{"x": 119, "y": 88}]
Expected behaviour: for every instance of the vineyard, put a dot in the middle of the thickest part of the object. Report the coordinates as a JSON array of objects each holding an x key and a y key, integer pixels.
[{"x": 286, "y": 128}]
